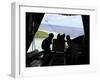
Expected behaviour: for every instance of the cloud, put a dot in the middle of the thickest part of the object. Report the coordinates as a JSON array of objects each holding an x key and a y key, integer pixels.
[{"x": 61, "y": 20}]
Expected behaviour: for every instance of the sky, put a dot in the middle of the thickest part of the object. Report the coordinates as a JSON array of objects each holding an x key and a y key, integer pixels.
[{"x": 61, "y": 20}]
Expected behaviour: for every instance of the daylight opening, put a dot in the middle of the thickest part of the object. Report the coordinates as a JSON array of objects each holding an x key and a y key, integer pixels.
[{"x": 57, "y": 24}]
